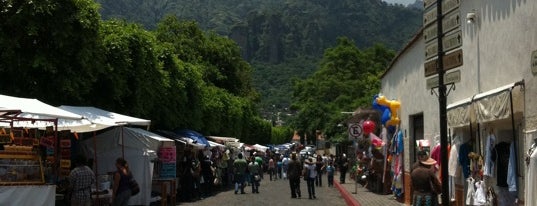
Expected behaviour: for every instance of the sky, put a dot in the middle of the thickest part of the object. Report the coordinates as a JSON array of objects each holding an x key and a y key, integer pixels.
[{"x": 404, "y": 2}]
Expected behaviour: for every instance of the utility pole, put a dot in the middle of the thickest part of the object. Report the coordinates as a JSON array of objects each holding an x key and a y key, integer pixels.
[{"x": 442, "y": 106}]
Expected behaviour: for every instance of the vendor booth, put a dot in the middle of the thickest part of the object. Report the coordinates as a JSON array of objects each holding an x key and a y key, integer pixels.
[
  {"x": 29, "y": 156},
  {"x": 139, "y": 147}
]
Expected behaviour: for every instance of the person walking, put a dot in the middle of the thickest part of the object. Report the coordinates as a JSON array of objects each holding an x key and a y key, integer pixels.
[
  {"x": 272, "y": 169},
  {"x": 285, "y": 166},
  {"x": 279, "y": 165},
  {"x": 330, "y": 170},
  {"x": 343, "y": 166},
  {"x": 310, "y": 174},
  {"x": 425, "y": 184},
  {"x": 293, "y": 171},
  {"x": 121, "y": 192},
  {"x": 319, "y": 167},
  {"x": 239, "y": 167},
  {"x": 81, "y": 179},
  {"x": 254, "y": 168}
]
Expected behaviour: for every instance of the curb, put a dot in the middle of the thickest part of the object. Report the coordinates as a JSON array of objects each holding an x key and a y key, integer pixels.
[{"x": 349, "y": 199}]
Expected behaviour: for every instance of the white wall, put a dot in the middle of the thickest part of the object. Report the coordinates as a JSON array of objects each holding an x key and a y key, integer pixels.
[{"x": 496, "y": 52}]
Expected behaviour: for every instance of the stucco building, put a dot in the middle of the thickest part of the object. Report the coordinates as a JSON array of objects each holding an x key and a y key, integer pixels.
[{"x": 492, "y": 49}]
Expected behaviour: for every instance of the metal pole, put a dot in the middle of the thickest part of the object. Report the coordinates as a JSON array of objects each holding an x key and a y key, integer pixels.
[{"x": 442, "y": 106}]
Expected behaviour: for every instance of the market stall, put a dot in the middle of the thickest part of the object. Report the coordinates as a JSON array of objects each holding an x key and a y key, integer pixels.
[
  {"x": 30, "y": 151},
  {"x": 140, "y": 149}
]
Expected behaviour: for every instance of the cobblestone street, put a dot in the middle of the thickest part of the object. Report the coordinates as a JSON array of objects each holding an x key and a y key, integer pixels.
[{"x": 274, "y": 193}]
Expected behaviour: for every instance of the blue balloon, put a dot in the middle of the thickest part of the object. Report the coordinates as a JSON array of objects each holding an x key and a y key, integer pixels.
[{"x": 386, "y": 116}]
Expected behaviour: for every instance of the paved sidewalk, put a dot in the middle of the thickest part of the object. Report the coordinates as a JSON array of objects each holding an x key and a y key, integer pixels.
[{"x": 363, "y": 196}]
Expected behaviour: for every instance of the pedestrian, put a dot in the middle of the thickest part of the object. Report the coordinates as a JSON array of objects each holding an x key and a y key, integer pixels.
[
  {"x": 254, "y": 168},
  {"x": 310, "y": 174},
  {"x": 343, "y": 164},
  {"x": 121, "y": 192},
  {"x": 207, "y": 176},
  {"x": 319, "y": 167},
  {"x": 285, "y": 165},
  {"x": 239, "y": 167},
  {"x": 260, "y": 161},
  {"x": 422, "y": 156},
  {"x": 279, "y": 165},
  {"x": 81, "y": 179},
  {"x": 272, "y": 168},
  {"x": 330, "y": 170},
  {"x": 425, "y": 184},
  {"x": 293, "y": 173}
]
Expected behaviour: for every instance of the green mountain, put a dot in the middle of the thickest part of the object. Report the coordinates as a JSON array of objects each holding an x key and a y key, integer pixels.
[{"x": 282, "y": 39}]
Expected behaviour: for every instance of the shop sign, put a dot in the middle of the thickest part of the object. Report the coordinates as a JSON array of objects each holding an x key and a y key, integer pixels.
[
  {"x": 534, "y": 62},
  {"x": 451, "y": 60},
  {"x": 449, "y": 78}
]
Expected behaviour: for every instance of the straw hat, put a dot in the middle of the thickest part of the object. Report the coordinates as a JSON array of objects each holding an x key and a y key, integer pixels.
[{"x": 429, "y": 161}]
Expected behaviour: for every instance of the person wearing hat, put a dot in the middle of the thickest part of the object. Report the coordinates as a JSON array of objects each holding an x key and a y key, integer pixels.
[
  {"x": 422, "y": 156},
  {"x": 425, "y": 184}
]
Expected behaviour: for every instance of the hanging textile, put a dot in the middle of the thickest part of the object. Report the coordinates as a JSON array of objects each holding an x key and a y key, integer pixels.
[
  {"x": 531, "y": 179},
  {"x": 480, "y": 197},
  {"x": 511, "y": 171},
  {"x": 500, "y": 154},
  {"x": 464, "y": 161},
  {"x": 470, "y": 191},
  {"x": 488, "y": 170},
  {"x": 453, "y": 158}
]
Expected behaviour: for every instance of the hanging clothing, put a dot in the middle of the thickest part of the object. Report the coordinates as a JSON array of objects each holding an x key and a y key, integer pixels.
[
  {"x": 464, "y": 160},
  {"x": 511, "y": 171},
  {"x": 500, "y": 155},
  {"x": 470, "y": 192},
  {"x": 531, "y": 179},
  {"x": 453, "y": 160},
  {"x": 488, "y": 170},
  {"x": 480, "y": 197}
]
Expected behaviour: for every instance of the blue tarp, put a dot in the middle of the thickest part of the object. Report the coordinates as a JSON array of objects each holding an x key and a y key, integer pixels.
[{"x": 196, "y": 136}]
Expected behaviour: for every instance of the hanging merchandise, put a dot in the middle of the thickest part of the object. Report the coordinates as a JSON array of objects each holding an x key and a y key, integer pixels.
[
  {"x": 489, "y": 164},
  {"x": 480, "y": 197},
  {"x": 531, "y": 179}
]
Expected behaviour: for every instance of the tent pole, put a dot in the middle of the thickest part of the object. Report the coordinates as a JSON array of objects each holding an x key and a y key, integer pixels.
[
  {"x": 96, "y": 165},
  {"x": 122, "y": 143}
]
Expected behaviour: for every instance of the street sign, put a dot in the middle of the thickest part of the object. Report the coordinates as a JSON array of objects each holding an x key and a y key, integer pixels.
[
  {"x": 451, "y": 60},
  {"x": 451, "y": 21},
  {"x": 449, "y": 5},
  {"x": 430, "y": 32},
  {"x": 452, "y": 41},
  {"x": 451, "y": 77},
  {"x": 428, "y": 3},
  {"x": 431, "y": 50},
  {"x": 429, "y": 17},
  {"x": 355, "y": 130}
]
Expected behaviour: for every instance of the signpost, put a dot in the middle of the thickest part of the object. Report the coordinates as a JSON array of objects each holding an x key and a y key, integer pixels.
[
  {"x": 452, "y": 60},
  {"x": 449, "y": 78}
]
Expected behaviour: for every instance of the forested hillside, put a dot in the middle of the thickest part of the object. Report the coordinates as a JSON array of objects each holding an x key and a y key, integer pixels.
[{"x": 281, "y": 39}]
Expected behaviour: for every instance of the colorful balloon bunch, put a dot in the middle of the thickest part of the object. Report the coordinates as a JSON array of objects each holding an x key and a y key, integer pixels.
[{"x": 389, "y": 109}]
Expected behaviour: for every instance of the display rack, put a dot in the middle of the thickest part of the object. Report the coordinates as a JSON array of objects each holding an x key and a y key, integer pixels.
[{"x": 20, "y": 168}]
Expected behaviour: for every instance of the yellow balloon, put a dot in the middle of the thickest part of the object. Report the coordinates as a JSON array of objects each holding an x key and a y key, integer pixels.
[{"x": 381, "y": 100}]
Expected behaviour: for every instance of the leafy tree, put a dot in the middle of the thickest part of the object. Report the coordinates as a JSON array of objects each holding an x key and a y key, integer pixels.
[
  {"x": 346, "y": 79},
  {"x": 132, "y": 80},
  {"x": 50, "y": 49}
]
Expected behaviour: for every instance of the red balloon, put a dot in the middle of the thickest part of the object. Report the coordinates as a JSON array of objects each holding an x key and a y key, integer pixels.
[{"x": 368, "y": 127}]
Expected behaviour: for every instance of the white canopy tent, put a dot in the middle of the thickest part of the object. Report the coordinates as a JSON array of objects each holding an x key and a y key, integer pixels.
[
  {"x": 33, "y": 109},
  {"x": 140, "y": 148},
  {"x": 99, "y": 118}
]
